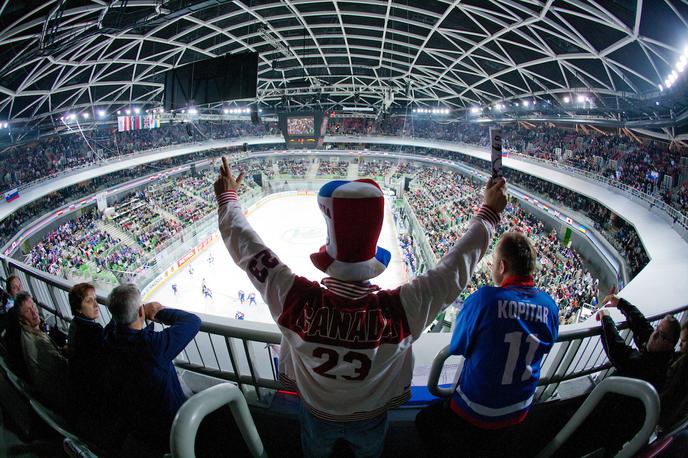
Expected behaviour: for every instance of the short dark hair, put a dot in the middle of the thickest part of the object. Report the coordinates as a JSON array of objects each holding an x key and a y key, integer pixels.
[
  {"x": 517, "y": 251},
  {"x": 9, "y": 280},
  {"x": 21, "y": 297},
  {"x": 76, "y": 295},
  {"x": 674, "y": 328}
]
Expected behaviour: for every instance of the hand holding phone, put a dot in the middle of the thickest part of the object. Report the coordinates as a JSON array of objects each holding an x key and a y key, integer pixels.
[{"x": 496, "y": 148}]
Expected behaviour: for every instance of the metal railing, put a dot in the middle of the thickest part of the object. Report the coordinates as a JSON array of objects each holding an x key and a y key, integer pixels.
[
  {"x": 197, "y": 407},
  {"x": 576, "y": 354},
  {"x": 622, "y": 385},
  {"x": 245, "y": 353}
]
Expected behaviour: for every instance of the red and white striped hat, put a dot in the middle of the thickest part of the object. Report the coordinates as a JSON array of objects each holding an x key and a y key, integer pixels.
[{"x": 353, "y": 211}]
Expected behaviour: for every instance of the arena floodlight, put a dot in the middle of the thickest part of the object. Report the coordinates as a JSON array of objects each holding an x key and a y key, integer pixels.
[
  {"x": 475, "y": 110},
  {"x": 137, "y": 110},
  {"x": 525, "y": 103},
  {"x": 127, "y": 111},
  {"x": 101, "y": 113},
  {"x": 119, "y": 112},
  {"x": 674, "y": 74},
  {"x": 85, "y": 115},
  {"x": 668, "y": 82},
  {"x": 72, "y": 116},
  {"x": 567, "y": 99},
  {"x": 661, "y": 88},
  {"x": 161, "y": 110},
  {"x": 225, "y": 111},
  {"x": 193, "y": 111}
]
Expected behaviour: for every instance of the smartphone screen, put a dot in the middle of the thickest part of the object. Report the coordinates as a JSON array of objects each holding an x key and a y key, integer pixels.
[{"x": 496, "y": 142}]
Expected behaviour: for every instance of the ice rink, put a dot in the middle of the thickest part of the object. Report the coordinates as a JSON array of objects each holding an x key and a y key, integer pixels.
[{"x": 293, "y": 227}]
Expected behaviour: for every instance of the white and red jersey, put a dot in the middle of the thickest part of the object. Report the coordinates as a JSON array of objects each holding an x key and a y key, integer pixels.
[{"x": 346, "y": 346}]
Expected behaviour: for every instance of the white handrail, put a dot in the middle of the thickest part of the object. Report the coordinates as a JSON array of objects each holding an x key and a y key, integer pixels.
[
  {"x": 195, "y": 409},
  {"x": 434, "y": 376},
  {"x": 621, "y": 385}
]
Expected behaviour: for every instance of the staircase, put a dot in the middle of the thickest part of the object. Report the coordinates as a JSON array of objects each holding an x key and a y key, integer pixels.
[
  {"x": 117, "y": 233},
  {"x": 313, "y": 169},
  {"x": 167, "y": 215},
  {"x": 352, "y": 171},
  {"x": 192, "y": 194}
]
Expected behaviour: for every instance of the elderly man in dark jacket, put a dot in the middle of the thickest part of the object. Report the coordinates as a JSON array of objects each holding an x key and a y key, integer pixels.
[
  {"x": 655, "y": 346},
  {"x": 141, "y": 380},
  {"x": 617, "y": 418}
]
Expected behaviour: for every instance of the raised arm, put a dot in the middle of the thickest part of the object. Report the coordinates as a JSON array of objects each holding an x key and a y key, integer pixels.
[
  {"x": 639, "y": 325},
  {"x": 425, "y": 296},
  {"x": 270, "y": 276}
]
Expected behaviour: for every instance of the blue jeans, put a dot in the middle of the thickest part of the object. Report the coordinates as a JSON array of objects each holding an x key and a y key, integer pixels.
[{"x": 365, "y": 437}]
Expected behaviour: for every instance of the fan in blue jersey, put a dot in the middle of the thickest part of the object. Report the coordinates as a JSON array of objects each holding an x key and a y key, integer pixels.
[{"x": 503, "y": 332}]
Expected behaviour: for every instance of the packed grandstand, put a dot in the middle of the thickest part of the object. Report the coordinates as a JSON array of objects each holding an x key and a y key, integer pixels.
[{"x": 528, "y": 161}]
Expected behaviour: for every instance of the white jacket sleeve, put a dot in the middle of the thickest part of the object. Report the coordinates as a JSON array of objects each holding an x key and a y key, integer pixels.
[
  {"x": 425, "y": 296},
  {"x": 270, "y": 276}
]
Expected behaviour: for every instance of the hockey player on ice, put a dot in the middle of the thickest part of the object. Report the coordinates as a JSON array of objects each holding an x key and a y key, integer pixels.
[
  {"x": 241, "y": 296},
  {"x": 252, "y": 299},
  {"x": 345, "y": 335},
  {"x": 174, "y": 288}
]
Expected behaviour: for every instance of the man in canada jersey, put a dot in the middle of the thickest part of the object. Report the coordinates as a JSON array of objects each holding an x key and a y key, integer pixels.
[
  {"x": 346, "y": 344},
  {"x": 503, "y": 332}
]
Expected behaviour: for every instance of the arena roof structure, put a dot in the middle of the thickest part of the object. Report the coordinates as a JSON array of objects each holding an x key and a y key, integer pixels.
[{"x": 605, "y": 57}]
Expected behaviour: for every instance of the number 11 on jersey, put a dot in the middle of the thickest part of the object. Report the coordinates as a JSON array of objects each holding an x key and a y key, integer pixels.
[{"x": 514, "y": 340}]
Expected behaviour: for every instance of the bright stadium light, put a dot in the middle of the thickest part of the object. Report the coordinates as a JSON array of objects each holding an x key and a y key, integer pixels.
[
  {"x": 193, "y": 111},
  {"x": 137, "y": 110},
  {"x": 661, "y": 88},
  {"x": 525, "y": 103},
  {"x": 127, "y": 111},
  {"x": 580, "y": 99},
  {"x": 101, "y": 113},
  {"x": 567, "y": 99},
  {"x": 85, "y": 115},
  {"x": 225, "y": 111},
  {"x": 475, "y": 110}
]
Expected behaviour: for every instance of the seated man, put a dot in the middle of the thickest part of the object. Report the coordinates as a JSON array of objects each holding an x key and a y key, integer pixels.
[
  {"x": 503, "y": 332},
  {"x": 12, "y": 288},
  {"x": 45, "y": 364},
  {"x": 616, "y": 418},
  {"x": 140, "y": 379},
  {"x": 346, "y": 344},
  {"x": 654, "y": 350}
]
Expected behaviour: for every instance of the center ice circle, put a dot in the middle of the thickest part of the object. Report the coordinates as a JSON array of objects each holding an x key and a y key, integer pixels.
[{"x": 304, "y": 235}]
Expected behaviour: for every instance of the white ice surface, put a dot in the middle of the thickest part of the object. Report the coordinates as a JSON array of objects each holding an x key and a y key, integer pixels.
[{"x": 291, "y": 226}]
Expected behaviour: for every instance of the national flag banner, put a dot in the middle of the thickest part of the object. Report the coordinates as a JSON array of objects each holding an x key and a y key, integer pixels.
[
  {"x": 12, "y": 195},
  {"x": 545, "y": 208},
  {"x": 120, "y": 124}
]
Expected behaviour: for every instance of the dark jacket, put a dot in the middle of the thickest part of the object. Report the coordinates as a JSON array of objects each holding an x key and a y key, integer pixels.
[
  {"x": 140, "y": 378},
  {"x": 86, "y": 364},
  {"x": 628, "y": 361}
]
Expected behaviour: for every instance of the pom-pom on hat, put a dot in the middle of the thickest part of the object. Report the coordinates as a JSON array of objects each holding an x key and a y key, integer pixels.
[{"x": 353, "y": 211}]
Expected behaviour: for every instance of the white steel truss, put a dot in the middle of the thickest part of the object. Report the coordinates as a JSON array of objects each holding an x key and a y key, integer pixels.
[{"x": 61, "y": 55}]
